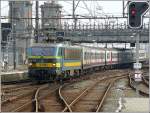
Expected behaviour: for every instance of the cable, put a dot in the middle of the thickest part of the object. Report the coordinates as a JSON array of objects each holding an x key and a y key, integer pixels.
[{"x": 78, "y": 6}]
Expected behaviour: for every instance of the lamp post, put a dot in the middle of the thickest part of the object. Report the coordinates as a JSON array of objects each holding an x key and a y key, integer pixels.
[
  {"x": 0, "y": 40},
  {"x": 137, "y": 65},
  {"x": 14, "y": 45},
  {"x": 13, "y": 34}
]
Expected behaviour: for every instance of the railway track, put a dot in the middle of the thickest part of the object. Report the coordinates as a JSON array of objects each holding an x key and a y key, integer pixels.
[
  {"x": 145, "y": 81},
  {"x": 32, "y": 100},
  {"x": 92, "y": 98},
  {"x": 10, "y": 93},
  {"x": 17, "y": 99},
  {"x": 141, "y": 86},
  {"x": 49, "y": 98},
  {"x": 16, "y": 82},
  {"x": 9, "y": 90},
  {"x": 45, "y": 99},
  {"x": 39, "y": 99},
  {"x": 14, "y": 86}
]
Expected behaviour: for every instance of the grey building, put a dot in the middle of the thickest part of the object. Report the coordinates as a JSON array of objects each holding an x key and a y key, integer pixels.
[
  {"x": 20, "y": 14},
  {"x": 20, "y": 17},
  {"x": 50, "y": 10}
]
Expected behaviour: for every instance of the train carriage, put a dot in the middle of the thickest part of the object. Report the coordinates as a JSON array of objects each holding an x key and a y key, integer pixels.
[
  {"x": 72, "y": 60},
  {"x": 93, "y": 57},
  {"x": 112, "y": 58},
  {"x": 59, "y": 61},
  {"x": 108, "y": 57},
  {"x": 142, "y": 55}
]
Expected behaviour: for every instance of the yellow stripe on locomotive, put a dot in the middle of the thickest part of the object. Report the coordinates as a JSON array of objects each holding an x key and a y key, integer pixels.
[
  {"x": 49, "y": 65},
  {"x": 72, "y": 64},
  {"x": 45, "y": 57},
  {"x": 45, "y": 65}
]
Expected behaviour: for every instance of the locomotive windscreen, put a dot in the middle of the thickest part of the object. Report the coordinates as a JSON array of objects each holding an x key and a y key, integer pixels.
[{"x": 44, "y": 51}]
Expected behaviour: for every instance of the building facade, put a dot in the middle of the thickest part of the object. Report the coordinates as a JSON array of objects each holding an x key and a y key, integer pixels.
[{"x": 20, "y": 17}]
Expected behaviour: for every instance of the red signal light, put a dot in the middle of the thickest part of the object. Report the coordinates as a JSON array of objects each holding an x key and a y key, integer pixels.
[
  {"x": 136, "y": 11},
  {"x": 133, "y": 12}
]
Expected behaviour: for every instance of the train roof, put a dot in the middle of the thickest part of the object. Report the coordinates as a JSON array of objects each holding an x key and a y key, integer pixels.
[
  {"x": 72, "y": 46},
  {"x": 53, "y": 45}
]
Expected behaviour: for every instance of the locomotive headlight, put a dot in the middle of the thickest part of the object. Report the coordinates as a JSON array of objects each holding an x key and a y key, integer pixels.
[
  {"x": 30, "y": 64},
  {"x": 54, "y": 64}
]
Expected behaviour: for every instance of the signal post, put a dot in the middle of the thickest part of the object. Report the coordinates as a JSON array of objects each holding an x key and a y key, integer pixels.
[{"x": 136, "y": 11}]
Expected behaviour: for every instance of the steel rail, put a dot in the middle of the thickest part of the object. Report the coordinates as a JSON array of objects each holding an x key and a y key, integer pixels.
[
  {"x": 36, "y": 97},
  {"x": 16, "y": 82},
  {"x": 39, "y": 98},
  {"x": 28, "y": 103},
  {"x": 15, "y": 98},
  {"x": 23, "y": 106},
  {"x": 36, "y": 100},
  {"x": 103, "y": 98},
  {"x": 14, "y": 87},
  {"x": 145, "y": 81},
  {"x": 106, "y": 92},
  {"x": 87, "y": 90},
  {"x": 61, "y": 97},
  {"x": 81, "y": 95},
  {"x": 12, "y": 90},
  {"x": 133, "y": 87}
]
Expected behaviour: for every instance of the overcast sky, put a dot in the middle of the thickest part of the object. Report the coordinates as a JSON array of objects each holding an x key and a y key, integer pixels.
[
  {"x": 97, "y": 8},
  {"x": 85, "y": 8}
]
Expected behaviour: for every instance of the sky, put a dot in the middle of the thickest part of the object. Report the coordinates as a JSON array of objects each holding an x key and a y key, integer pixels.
[
  {"x": 85, "y": 8},
  {"x": 107, "y": 8},
  {"x": 96, "y": 7}
]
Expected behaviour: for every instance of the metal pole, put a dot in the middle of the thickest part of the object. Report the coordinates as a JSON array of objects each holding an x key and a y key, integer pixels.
[
  {"x": 106, "y": 45},
  {"x": 14, "y": 46},
  {"x": 73, "y": 14},
  {"x": 37, "y": 20},
  {"x": 137, "y": 89},
  {"x": 12, "y": 35},
  {"x": 0, "y": 41},
  {"x": 137, "y": 61},
  {"x": 149, "y": 43},
  {"x": 123, "y": 8},
  {"x": 137, "y": 48},
  {"x": 0, "y": 50}
]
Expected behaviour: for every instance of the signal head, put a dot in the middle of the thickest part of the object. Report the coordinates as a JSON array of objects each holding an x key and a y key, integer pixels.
[{"x": 136, "y": 10}]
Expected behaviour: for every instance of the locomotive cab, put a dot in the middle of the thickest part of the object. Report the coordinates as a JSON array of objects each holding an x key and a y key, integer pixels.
[{"x": 44, "y": 62}]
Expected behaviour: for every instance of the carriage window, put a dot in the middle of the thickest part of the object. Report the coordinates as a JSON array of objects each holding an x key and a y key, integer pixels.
[
  {"x": 103, "y": 55},
  {"x": 60, "y": 52},
  {"x": 72, "y": 54},
  {"x": 114, "y": 55},
  {"x": 108, "y": 55},
  {"x": 85, "y": 55}
]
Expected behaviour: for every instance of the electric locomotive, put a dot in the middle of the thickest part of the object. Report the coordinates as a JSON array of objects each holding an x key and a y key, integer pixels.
[
  {"x": 49, "y": 61},
  {"x": 59, "y": 61}
]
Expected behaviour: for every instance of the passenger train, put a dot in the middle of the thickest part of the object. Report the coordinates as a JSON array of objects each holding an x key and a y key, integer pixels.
[{"x": 59, "y": 61}]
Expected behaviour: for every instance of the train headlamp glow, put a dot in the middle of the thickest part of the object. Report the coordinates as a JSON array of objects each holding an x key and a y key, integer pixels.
[
  {"x": 54, "y": 64},
  {"x": 30, "y": 64}
]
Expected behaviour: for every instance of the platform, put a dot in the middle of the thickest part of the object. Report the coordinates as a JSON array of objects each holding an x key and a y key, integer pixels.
[
  {"x": 136, "y": 105},
  {"x": 15, "y": 75}
]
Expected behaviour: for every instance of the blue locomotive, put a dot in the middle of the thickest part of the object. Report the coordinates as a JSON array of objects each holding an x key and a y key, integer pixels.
[{"x": 58, "y": 61}]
